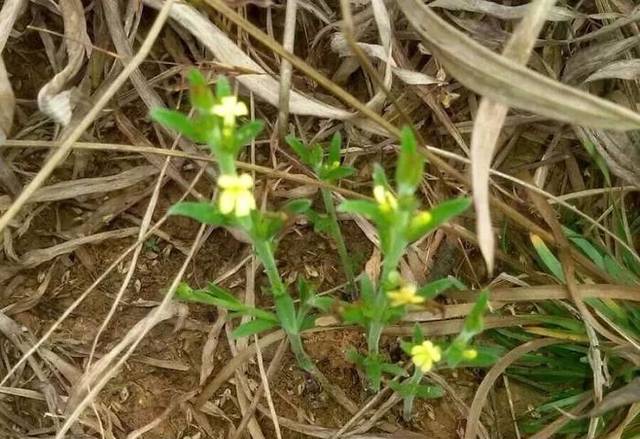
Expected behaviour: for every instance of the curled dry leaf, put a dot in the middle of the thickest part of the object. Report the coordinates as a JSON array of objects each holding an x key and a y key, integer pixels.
[
  {"x": 7, "y": 103},
  {"x": 501, "y": 11},
  {"x": 621, "y": 151},
  {"x": 227, "y": 52},
  {"x": 504, "y": 80},
  {"x": 625, "y": 395},
  {"x": 52, "y": 99},
  {"x": 628, "y": 69},
  {"x": 489, "y": 120},
  {"x": 410, "y": 77},
  {"x": 594, "y": 57}
]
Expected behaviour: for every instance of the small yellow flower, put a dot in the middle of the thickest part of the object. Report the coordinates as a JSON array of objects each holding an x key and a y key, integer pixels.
[
  {"x": 228, "y": 109},
  {"x": 469, "y": 354},
  {"x": 385, "y": 199},
  {"x": 425, "y": 354},
  {"x": 421, "y": 219},
  {"x": 236, "y": 195},
  {"x": 404, "y": 295}
]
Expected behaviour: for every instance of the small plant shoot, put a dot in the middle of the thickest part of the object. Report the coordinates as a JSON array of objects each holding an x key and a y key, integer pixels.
[{"x": 394, "y": 209}]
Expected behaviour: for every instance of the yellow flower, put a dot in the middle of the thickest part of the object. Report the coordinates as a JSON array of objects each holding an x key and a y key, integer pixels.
[
  {"x": 385, "y": 199},
  {"x": 228, "y": 109},
  {"x": 469, "y": 354},
  {"x": 425, "y": 354},
  {"x": 404, "y": 295},
  {"x": 421, "y": 219},
  {"x": 236, "y": 195}
]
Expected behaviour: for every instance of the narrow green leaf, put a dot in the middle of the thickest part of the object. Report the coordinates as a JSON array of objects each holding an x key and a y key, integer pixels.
[
  {"x": 299, "y": 148},
  {"x": 333, "y": 174},
  {"x": 323, "y": 303},
  {"x": 433, "y": 289},
  {"x": 316, "y": 157},
  {"x": 548, "y": 259},
  {"x": 199, "y": 92},
  {"x": 474, "y": 323},
  {"x": 248, "y": 132},
  {"x": 200, "y": 211},
  {"x": 428, "y": 392},
  {"x": 218, "y": 297},
  {"x": 428, "y": 221},
  {"x": 360, "y": 207},
  {"x": 223, "y": 88},
  {"x": 393, "y": 369},
  {"x": 585, "y": 245},
  {"x": 334, "y": 148},
  {"x": 297, "y": 207},
  {"x": 253, "y": 327},
  {"x": 410, "y": 164},
  {"x": 286, "y": 312},
  {"x": 177, "y": 122}
]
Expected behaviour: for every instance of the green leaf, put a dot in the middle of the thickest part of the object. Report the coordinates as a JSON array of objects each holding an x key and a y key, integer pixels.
[
  {"x": 304, "y": 290},
  {"x": 333, "y": 174},
  {"x": 360, "y": 207},
  {"x": 548, "y": 259},
  {"x": 299, "y": 148},
  {"x": 323, "y": 303},
  {"x": 297, "y": 207},
  {"x": 248, "y": 132},
  {"x": 428, "y": 392},
  {"x": 334, "y": 148},
  {"x": 353, "y": 314},
  {"x": 253, "y": 327},
  {"x": 432, "y": 289},
  {"x": 179, "y": 123},
  {"x": 267, "y": 225},
  {"x": 410, "y": 164},
  {"x": 213, "y": 296},
  {"x": 474, "y": 323},
  {"x": 321, "y": 223},
  {"x": 618, "y": 272},
  {"x": 286, "y": 312},
  {"x": 373, "y": 370},
  {"x": 200, "y": 211},
  {"x": 585, "y": 245},
  {"x": 379, "y": 177},
  {"x": 393, "y": 369},
  {"x": 199, "y": 92},
  {"x": 426, "y": 222},
  {"x": 223, "y": 88},
  {"x": 367, "y": 289},
  {"x": 316, "y": 157}
]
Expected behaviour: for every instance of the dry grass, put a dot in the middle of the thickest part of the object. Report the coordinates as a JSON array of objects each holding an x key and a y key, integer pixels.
[{"x": 538, "y": 103}]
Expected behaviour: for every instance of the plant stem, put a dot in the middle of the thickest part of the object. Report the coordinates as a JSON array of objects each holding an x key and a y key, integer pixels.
[
  {"x": 339, "y": 239},
  {"x": 264, "y": 251},
  {"x": 226, "y": 164},
  {"x": 373, "y": 336},
  {"x": 295, "y": 340},
  {"x": 408, "y": 400}
]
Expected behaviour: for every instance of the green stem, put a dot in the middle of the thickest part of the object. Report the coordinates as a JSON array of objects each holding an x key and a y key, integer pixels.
[
  {"x": 339, "y": 239},
  {"x": 408, "y": 400},
  {"x": 295, "y": 341},
  {"x": 396, "y": 247},
  {"x": 373, "y": 336},
  {"x": 226, "y": 164},
  {"x": 264, "y": 251}
]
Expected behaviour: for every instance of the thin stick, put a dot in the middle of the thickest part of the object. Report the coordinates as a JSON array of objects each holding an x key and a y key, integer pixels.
[
  {"x": 267, "y": 390},
  {"x": 65, "y": 147},
  {"x": 285, "y": 67}
]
